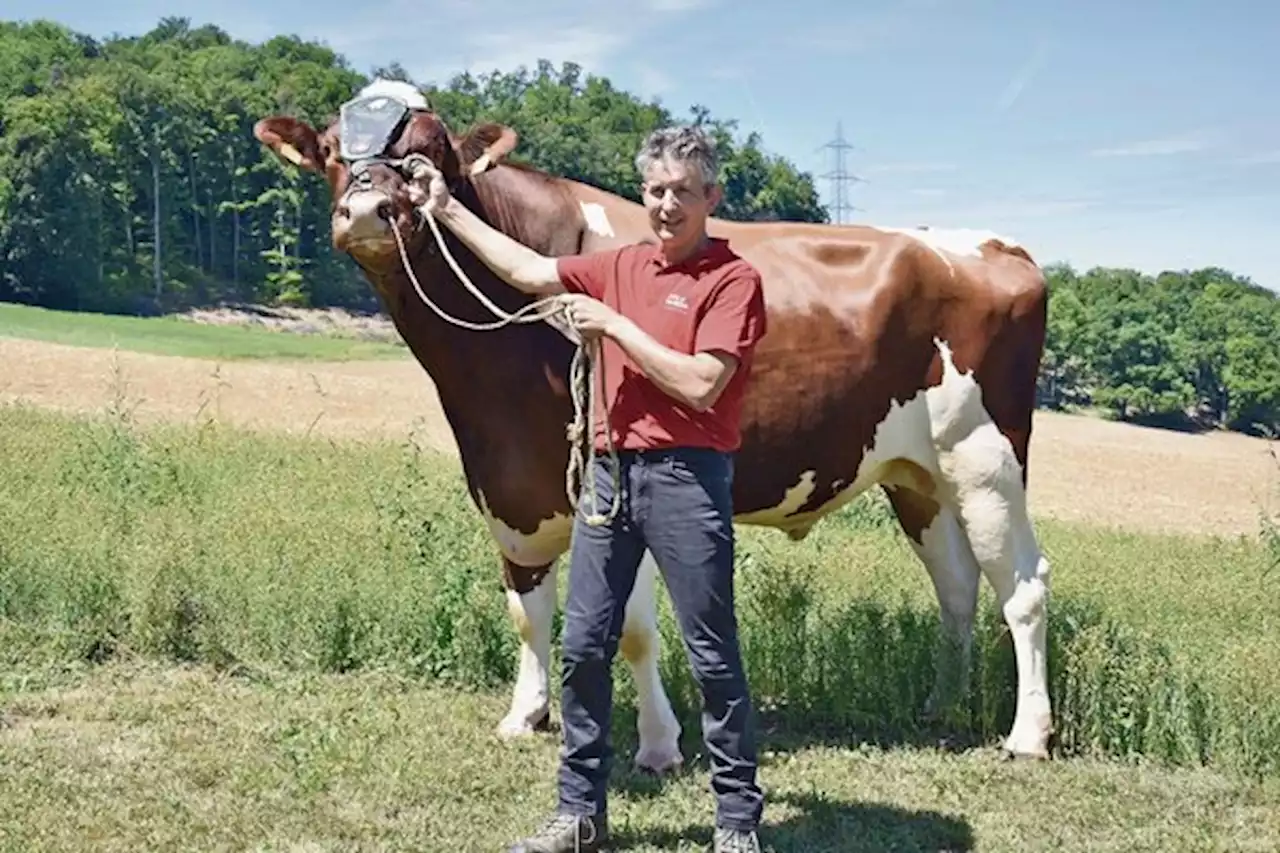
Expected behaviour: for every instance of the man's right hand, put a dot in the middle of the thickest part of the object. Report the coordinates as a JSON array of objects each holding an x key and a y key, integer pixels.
[{"x": 515, "y": 263}]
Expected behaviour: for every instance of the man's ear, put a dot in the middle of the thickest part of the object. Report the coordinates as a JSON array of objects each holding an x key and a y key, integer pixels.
[
  {"x": 715, "y": 195},
  {"x": 292, "y": 140},
  {"x": 485, "y": 146}
]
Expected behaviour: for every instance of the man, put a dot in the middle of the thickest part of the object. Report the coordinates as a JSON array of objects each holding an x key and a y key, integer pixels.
[{"x": 680, "y": 321}]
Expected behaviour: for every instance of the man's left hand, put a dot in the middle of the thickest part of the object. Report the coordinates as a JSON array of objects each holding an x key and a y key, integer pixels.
[{"x": 591, "y": 317}]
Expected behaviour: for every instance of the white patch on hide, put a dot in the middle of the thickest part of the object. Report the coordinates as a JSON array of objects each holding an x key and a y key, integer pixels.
[
  {"x": 955, "y": 574},
  {"x": 983, "y": 471},
  {"x": 532, "y": 614},
  {"x": 597, "y": 220},
  {"x": 545, "y": 544},
  {"x": 781, "y": 515},
  {"x": 945, "y": 242},
  {"x": 957, "y": 241},
  {"x": 640, "y": 645}
]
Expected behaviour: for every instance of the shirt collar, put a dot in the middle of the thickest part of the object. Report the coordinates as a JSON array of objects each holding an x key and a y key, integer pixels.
[{"x": 711, "y": 254}]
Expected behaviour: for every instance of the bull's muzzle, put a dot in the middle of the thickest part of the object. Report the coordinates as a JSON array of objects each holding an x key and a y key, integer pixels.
[{"x": 363, "y": 215}]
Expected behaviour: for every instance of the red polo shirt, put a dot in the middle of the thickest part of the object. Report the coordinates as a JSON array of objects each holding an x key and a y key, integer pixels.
[{"x": 711, "y": 301}]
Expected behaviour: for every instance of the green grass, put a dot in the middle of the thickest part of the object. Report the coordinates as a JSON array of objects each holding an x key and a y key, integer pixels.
[
  {"x": 341, "y": 606},
  {"x": 172, "y": 336},
  {"x": 137, "y": 757}
]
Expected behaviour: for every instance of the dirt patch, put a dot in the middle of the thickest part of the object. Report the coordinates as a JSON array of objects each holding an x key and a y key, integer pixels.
[
  {"x": 305, "y": 321},
  {"x": 1087, "y": 469},
  {"x": 335, "y": 399},
  {"x": 1082, "y": 469}
]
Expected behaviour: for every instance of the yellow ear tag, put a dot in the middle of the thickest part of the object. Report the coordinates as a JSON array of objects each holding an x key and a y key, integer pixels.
[{"x": 290, "y": 153}]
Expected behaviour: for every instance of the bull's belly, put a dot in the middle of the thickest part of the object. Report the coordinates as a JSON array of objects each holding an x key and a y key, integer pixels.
[{"x": 792, "y": 486}]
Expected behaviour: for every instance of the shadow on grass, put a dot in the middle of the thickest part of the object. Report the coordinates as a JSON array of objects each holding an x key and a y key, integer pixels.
[
  {"x": 826, "y": 825},
  {"x": 774, "y": 735}
]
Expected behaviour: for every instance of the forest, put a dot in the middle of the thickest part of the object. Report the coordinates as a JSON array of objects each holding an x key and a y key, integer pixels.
[{"x": 130, "y": 182}]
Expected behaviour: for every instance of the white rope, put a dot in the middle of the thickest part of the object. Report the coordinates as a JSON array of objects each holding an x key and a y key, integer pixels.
[{"x": 588, "y": 360}]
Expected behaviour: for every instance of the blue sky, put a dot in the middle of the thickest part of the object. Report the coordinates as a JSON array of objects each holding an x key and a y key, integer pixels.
[{"x": 1112, "y": 132}]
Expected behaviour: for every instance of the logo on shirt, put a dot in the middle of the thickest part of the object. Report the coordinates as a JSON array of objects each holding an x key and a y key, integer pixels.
[{"x": 677, "y": 302}]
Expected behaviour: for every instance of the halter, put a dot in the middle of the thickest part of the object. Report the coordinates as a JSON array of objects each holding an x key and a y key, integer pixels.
[{"x": 367, "y": 126}]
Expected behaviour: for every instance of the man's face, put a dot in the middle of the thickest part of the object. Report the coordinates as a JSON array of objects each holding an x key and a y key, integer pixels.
[{"x": 678, "y": 203}]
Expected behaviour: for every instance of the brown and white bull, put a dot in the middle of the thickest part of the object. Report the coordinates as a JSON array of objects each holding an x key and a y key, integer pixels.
[{"x": 905, "y": 359}]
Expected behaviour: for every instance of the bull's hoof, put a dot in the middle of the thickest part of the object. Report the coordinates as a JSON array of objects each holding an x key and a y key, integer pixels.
[
  {"x": 1011, "y": 751},
  {"x": 658, "y": 762},
  {"x": 1029, "y": 744},
  {"x": 516, "y": 726}
]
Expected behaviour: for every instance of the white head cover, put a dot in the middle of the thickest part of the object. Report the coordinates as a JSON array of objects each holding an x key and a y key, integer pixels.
[{"x": 399, "y": 89}]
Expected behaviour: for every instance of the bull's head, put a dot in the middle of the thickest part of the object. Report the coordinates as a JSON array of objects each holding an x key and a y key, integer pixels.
[{"x": 366, "y": 156}]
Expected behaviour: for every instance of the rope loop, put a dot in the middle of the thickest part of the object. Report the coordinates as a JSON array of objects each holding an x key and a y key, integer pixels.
[{"x": 586, "y": 376}]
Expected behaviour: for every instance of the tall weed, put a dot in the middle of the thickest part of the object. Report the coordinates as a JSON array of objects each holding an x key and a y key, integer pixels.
[{"x": 207, "y": 545}]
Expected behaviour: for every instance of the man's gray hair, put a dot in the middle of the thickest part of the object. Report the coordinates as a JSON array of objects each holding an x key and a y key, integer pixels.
[{"x": 689, "y": 144}]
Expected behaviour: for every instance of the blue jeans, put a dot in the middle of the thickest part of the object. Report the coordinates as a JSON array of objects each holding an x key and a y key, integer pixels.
[{"x": 677, "y": 503}]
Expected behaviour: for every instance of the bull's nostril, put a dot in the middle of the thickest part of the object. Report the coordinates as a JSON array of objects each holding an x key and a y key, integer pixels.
[
  {"x": 384, "y": 209},
  {"x": 344, "y": 211}
]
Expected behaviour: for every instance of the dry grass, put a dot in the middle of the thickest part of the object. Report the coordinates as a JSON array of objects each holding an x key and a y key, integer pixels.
[
  {"x": 1140, "y": 478},
  {"x": 323, "y": 321},
  {"x": 330, "y": 399},
  {"x": 1082, "y": 469}
]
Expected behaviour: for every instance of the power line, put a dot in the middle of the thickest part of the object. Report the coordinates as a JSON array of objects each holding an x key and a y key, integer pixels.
[{"x": 839, "y": 176}]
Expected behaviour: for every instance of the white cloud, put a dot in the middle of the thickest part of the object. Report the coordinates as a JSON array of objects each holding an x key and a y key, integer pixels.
[
  {"x": 1022, "y": 78},
  {"x": 652, "y": 82},
  {"x": 1159, "y": 147},
  {"x": 1010, "y": 210},
  {"x": 585, "y": 44},
  {"x": 481, "y": 36},
  {"x": 865, "y": 30},
  {"x": 678, "y": 5},
  {"x": 1260, "y": 158},
  {"x": 909, "y": 168},
  {"x": 726, "y": 72}
]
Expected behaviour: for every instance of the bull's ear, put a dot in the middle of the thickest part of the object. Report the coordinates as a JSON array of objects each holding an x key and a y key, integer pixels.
[
  {"x": 485, "y": 146},
  {"x": 292, "y": 140}
]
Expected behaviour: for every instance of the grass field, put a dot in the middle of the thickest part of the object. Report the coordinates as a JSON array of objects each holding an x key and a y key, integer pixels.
[
  {"x": 172, "y": 336},
  {"x": 136, "y": 757},
  {"x": 238, "y": 610},
  {"x": 220, "y": 639}
]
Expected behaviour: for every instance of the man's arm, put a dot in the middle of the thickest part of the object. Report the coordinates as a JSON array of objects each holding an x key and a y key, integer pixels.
[
  {"x": 732, "y": 325},
  {"x": 696, "y": 380},
  {"x": 513, "y": 262}
]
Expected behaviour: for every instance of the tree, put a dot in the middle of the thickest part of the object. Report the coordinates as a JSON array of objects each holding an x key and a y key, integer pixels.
[{"x": 130, "y": 181}]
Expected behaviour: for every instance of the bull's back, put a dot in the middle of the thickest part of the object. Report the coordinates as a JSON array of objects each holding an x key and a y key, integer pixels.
[
  {"x": 851, "y": 324},
  {"x": 861, "y": 323}
]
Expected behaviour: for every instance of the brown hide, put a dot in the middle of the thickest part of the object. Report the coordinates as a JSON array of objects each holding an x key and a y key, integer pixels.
[{"x": 853, "y": 316}]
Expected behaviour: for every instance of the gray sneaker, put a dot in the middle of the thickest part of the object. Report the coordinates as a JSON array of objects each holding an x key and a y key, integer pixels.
[
  {"x": 566, "y": 833},
  {"x": 735, "y": 841}
]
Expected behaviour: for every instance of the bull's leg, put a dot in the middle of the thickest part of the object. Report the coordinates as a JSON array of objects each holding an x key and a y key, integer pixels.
[
  {"x": 992, "y": 499},
  {"x": 640, "y": 644},
  {"x": 531, "y": 601},
  {"x": 936, "y": 536}
]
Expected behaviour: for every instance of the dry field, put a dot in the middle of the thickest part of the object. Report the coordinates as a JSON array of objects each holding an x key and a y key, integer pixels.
[{"x": 1082, "y": 469}]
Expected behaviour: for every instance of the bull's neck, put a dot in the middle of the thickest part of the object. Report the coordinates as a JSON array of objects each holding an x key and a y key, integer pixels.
[{"x": 463, "y": 361}]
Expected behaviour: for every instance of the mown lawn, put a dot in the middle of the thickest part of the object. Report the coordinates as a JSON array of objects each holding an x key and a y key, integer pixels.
[
  {"x": 172, "y": 336},
  {"x": 137, "y": 757},
  {"x": 221, "y": 640}
]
